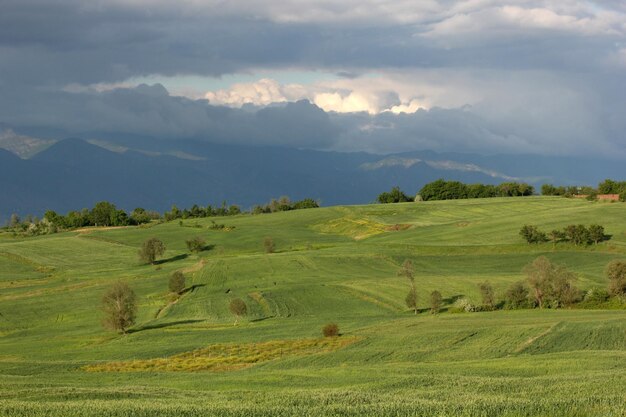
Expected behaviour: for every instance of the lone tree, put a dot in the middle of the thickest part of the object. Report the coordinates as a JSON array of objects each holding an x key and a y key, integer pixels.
[
  {"x": 268, "y": 244},
  {"x": 150, "y": 249},
  {"x": 196, "y": 244},
  {"x": 238, "y": 308},
  {"x": 407, "y": 271},
  {"x": 435, "y": 302},
  {"x": 119, "y": 304},
  {"x": 487, "y": 294},
  {"x": 177, "y": 282},
  {"x": 551, "y": 284},
  {"x": 616, "y": 272}
]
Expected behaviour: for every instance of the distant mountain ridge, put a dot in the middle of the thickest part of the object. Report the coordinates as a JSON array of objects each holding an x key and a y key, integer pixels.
[{"x": 72, "y": 174}]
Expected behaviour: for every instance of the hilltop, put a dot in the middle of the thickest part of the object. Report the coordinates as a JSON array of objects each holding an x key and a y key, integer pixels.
[{"x": 336, "y": 264}]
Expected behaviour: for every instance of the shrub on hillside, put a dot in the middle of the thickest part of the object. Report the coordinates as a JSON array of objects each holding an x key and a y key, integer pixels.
[
  {"x": 268, "y": 245},
  {"x": 435, "y": 302},
  {"x": 532, "y": 234},
  {"x": 150, "y": 249},
  {"x": 463, "y": 305},
  {"x": 551, "y": 285},
  {"x": 177, "y": 282},
  {"x": 516, "y": 296},
  {"x": 616, "y": 273},
  {"x": 330, "y": 330},
  {"x": 196, "y": 244}
]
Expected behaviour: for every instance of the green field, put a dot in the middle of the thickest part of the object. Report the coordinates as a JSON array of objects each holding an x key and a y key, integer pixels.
[{"x": 334, "y": 264}]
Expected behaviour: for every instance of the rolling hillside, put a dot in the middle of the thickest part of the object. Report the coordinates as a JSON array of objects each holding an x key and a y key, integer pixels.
[{"x": 336, "y": 264}]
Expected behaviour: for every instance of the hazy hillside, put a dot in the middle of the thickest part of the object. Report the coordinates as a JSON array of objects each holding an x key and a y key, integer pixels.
[{"x": 73, "y": 174}]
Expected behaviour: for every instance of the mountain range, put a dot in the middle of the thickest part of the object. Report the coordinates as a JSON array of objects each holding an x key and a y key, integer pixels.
[{"x": 71, "y": 174}]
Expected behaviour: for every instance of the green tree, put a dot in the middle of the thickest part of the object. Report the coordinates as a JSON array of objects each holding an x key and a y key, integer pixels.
[
  {"x": 238, "y": 308},
  {"x": 596, "y": 233},
  {"x": 103, "y": 214},
  {"x": 268, "y": 245},
  {"x": 119, "y": 305},
  {"x": 532, "y": 234},
  {"x": 516, "y": 295},
  {"x": 577, "y": 234},
  {"x": 407, "y": 271},
  {"x": 151, "y": 249},
  {"x": 435, "y": 302},
  {"x": 177, "y": 282},
  {"x": 487, "y": 295},
  {"x": 196, "y": 244},
  {"x": 555, "y": 236},
  {"x": 550, "y": 284},
  {"x": 616, "y": 273},
  {"x": 394, "y": 196}
]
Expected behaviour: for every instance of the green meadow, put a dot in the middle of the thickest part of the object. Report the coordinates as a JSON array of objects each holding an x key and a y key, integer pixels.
[{"x": 335, "y": 264}]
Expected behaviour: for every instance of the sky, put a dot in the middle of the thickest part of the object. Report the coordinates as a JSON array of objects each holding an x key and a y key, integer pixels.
[{"x": 545, "y": 77}]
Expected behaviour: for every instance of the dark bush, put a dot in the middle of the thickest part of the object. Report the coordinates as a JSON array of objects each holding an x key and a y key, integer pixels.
[{"x": 330, "y": 330}]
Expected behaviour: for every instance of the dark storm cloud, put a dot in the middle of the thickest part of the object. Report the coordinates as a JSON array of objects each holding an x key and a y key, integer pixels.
[
  {"x": 46, "y": 45},
  {"x": 70, "y": 41},
  {"x": 151, "y": 111}
]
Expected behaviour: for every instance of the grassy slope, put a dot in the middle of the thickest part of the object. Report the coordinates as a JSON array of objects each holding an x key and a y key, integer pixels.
[{"x": 335, "y": 264}]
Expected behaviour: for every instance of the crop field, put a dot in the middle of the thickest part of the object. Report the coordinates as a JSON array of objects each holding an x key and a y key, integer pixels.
[{"x": 188, "y": 357}]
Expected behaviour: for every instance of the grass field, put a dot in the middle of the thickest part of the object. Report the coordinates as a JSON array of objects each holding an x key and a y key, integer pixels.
[{"x": 334, "y": 264}]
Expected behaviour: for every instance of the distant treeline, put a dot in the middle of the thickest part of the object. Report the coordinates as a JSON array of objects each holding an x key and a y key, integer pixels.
[
  {"x": 456, "y": 190},
  {"x": 107, "y": 214},
  {"x": 607, "y": 186}
]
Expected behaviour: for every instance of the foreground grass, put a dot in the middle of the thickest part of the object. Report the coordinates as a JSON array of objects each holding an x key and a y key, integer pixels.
[{"x": 334, "y": 264}]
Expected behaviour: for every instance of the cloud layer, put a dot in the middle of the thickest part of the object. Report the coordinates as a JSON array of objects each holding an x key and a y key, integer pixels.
[{"x": 479, "y": 75}]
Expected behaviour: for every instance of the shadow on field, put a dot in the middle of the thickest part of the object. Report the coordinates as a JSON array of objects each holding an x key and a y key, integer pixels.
[
  {"x": 162, "y": 325},
  {"x": 192, "y": 288},
  {"x": 207, "y": 248},
  {"x": 172, "y": 259}
]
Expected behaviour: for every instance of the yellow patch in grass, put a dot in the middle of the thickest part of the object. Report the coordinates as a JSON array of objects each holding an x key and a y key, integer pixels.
[
  {"x": 356, "y": 228},
  {"x": 226, "y": 356}
]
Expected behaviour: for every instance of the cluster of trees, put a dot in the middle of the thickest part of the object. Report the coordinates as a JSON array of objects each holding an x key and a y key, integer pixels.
[
  {"x": 607, "y": 186},
  {"x": 284, "y": 204},
  {"x": 105, "y": 213},
  {"x": 578, "y": 234},
  {"x": 547, "y": 285},
  {"x": 102, "y": 214},
  {"x": 197, "y": 211},
  {"x": 454, "y": 190},
  {"x": 396, "y": 195}
]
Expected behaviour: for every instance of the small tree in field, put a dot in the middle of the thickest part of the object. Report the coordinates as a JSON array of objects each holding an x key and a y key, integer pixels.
[
  {"x": 616, "y": 272},
  {"x": 551, "y": 284},
  {"x": 196, "y": 244},
  {"x": 268, "y": 245},
  {"x": 487, "y": 294},
  {"x": 238, "y": 308},
  {"x": 435, "y": 302},
  {"x": 596, "y": 233},
  {"x": 330, "y": 330},
  {"x": 150, "y": 249},
  {"x": 119, "y": 305},
  {"x": 177, "y": 282},
  {"x": 407, "y": 271},
  {"x": 516, "y": 295}
]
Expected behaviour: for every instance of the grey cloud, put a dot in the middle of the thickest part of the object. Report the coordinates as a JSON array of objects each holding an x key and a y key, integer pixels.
[
  {"x": 69, "y": 41},
  {"x": 151, "y": 111}
]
